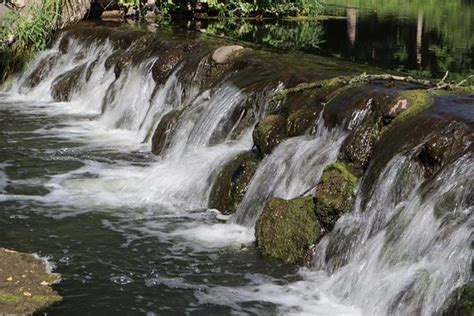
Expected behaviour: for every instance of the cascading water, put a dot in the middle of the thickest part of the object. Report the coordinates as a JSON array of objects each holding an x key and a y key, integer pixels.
[
  {"x": 401, "y": 250},
  {"x": 291, "y": 170}
]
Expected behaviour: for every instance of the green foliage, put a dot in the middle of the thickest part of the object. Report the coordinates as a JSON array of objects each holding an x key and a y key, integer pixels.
[
  {"x": 278, "y": 34},
  {"x": 244, "y": 8},
  {"x": 31, "y": 29},
  {"x": 128, "y": 3}
]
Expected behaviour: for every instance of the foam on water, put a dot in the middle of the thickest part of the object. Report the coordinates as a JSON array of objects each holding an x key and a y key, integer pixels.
[{"x": 3, "y": 177}]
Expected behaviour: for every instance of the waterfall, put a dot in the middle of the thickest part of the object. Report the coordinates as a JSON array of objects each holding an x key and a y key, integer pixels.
[
  {"x": 133, "y": 104},
  {"x": 403, "y": 254},
  {"x": 415, "y": 250},
  {"x": 291, "y": 170},
  {"x": 402, "y": 249}
]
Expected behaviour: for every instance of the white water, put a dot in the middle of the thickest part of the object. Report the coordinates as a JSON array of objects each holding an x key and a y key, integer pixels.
[
  {"x": 393, "y": 245},
  {"x": 291, "y": 170},
  {"x": 401, "y": 259}
]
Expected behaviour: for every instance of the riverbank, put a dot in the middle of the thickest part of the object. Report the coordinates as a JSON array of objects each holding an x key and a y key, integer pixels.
[{"x": 25, "y": 285}]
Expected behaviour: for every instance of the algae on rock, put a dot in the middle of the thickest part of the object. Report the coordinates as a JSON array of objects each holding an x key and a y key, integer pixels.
[
  {"x": 334, "y": 194},
  {"x": 25, "y": 284},
  {"x": 287, "y": 229},
  {"x": 270, "y": 132}
]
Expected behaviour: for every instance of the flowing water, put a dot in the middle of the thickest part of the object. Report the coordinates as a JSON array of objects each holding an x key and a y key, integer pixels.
[{"x": 131, "y": 232}]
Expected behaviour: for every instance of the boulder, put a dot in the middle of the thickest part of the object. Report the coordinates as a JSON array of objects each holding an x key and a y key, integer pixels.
[
  {"x": 270, "y": 132},
  {"x": 288, "y": 229},
  {"x": 302, "y": 120},
  {"x": 223, "y": 54},
  {"x": 162, "y": 132},
  {"x": 232, "y": 182},
  {"x": 64, "y": 85},
  {"x": 446, "y": 144},
  {"x": 334, "y": 194},
  {"x": 25, "y": 284},
  {"x": 171, "y": 56}
]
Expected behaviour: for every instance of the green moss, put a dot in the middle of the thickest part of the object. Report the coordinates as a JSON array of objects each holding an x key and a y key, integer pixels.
[
  {"x": 270, "y": 132},
  {"x": 334, "y": 194},
  {"x": 345, "y": 172},
  {"x": 10, "y": 298},
  {"x": 287, "y": 229},
  {"x": 418, "y": 101},
  {"x": 46, "y": 299}
]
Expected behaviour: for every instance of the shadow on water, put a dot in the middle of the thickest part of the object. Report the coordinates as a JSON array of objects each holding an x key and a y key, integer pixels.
[{"x": 415, "y": 37}]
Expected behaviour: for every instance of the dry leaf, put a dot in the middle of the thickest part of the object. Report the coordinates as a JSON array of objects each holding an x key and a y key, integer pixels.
[{"x": 28, "y": 294}]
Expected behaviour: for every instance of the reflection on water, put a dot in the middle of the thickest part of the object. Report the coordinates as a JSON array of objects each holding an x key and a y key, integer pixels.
[{"x": 422, "y": 38}]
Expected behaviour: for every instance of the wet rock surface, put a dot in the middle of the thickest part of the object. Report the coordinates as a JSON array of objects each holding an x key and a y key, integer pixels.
[
  {"x": 64, "y": 85},
  {"x": 42, "y": 70},
  {"x": 232, "y": 182},
  {"x": 25, "y": 284},
  {"x": 223, "y": 54},
  {"x": 287, "y": 229},
  {"x": 161, "y": 135},
  {"x": 270, "y": 132},
  {"x": 334, "y": 194}
]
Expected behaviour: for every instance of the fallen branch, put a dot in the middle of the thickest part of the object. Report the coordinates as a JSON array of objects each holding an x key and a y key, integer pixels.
[{"x": 351, "y": 80}]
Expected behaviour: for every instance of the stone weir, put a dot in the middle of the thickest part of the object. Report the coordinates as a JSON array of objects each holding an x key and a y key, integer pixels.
[{"x": 324, "y": 158}]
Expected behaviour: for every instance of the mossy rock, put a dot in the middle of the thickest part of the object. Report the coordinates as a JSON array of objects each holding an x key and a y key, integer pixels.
[
  {"x": 170, "y": 57},
  {"x": 358, "y": 147},
  {"x": 410, "y": 103},
  {"x": 64, "y": 85},
  {"x": 287, "y": 229},
  {"x": 163, "y": 131},
  {"x": 232, "y": 182},
  {"x": 334, "y": 194},
  {"x": 460, "y": 302},
  {"x": 25, "y": 285},
  {"x": 301, "y": 121},
  {"x": 270, "y": 132}
]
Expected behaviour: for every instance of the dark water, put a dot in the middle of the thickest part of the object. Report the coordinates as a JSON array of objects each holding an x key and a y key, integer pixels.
[{"x": 420, "y": 38}]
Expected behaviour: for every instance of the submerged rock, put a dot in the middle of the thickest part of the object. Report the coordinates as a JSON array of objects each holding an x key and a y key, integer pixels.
[
  {"x": 25, "y": 284},
  {"x": 161, "y": 135},
  {"x": 334, "y": 194},
  {"x": 460, "y": 302},
  {"x": 232, "y": 182},
  {"x": 270, "y": 132},
  {"x": 63, "y": 86},
  {"x": 42, "y": 70},
  {"x": 170, "y": 57},
  {"x": 287, "y": 229}
]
